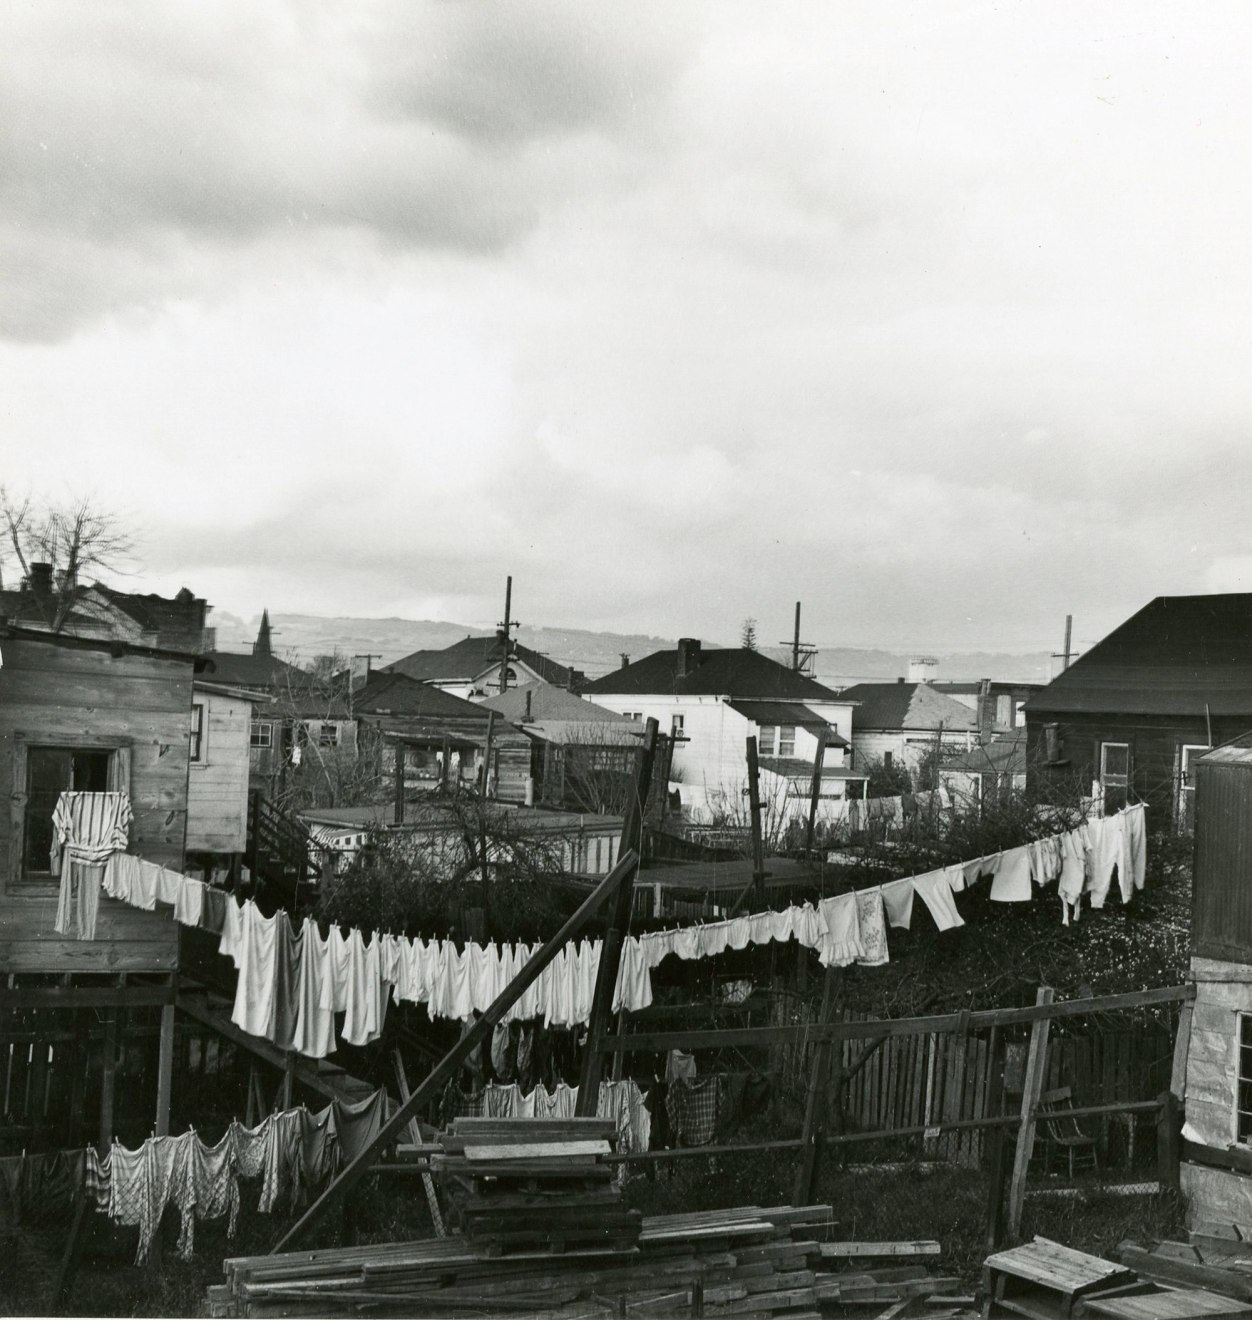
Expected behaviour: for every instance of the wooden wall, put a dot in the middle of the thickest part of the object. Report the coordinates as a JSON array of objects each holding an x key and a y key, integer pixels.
[
  {"x": 137, "y": 705},
  {"x": 1155, "y": 743},
  {"x": 217, "y": 787}
]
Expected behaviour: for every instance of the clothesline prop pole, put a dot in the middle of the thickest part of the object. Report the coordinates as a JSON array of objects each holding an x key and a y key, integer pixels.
[
  {"x": 1032, "y": 1088},
  {"x": 815, "y": 792},
  {"x": 617, "y": 923},
  {"x": 481, "y": 1031},
  {"x": 754, "y": 806}
]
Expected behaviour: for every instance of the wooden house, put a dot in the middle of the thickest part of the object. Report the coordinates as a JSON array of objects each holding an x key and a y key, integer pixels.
[
  {"x": 217, "y": 780},
  {"x": 1130, "y": 717},
  {"x": 901, "y": 724},
  {"x": 476, "y": 667},
  {"x": 95, "y": 715},
  {"x": 1216, "y": 1173}
]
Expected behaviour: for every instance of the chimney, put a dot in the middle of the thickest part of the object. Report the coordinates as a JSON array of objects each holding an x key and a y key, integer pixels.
[
  {"x": 688, "y": 656},
  {"x": 41, "y": 580},
  {"x": 625, "y": 660},
  {"x": 900, "y": 680},
  {"x": 529, "y": 694}
]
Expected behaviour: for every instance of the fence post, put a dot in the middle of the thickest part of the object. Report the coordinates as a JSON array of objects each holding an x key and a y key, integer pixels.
[
  {"x": 819, "y": 1075},
  {"x": 1032, "y": 1088},
  {"x": 997, "y": 1168},
  {"x": 1168, "y": 1141}
]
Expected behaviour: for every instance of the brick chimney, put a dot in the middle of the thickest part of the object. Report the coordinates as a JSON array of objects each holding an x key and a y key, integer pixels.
[
  {"x": 41, "y": 580},
  {"x": 688, "y": 656}
]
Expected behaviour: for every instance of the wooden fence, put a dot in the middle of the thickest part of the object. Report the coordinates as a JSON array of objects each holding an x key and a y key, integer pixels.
[{"x": 939, "y": 1078}]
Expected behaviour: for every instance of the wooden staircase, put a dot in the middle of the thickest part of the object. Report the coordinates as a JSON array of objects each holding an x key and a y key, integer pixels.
[{"x": 278, "y": 850}]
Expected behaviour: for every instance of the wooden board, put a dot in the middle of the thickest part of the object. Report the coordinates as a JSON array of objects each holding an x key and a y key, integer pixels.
[
  {"x": 537, "y": 1150},
  {"x": 1170, "y": 1304},
  {"x": 853, "y": 1250}
]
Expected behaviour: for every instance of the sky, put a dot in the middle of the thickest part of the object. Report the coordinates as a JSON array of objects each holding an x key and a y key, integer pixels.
[{"x": 934, "y": 317}]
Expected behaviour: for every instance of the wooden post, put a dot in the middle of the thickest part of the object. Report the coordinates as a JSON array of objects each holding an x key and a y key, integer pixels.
[
  {"x": 445, "y": 766},
  {"x": 360, "y": 1164},
  {"x": 165, "y": 1071},
  {"x": 482, "y": 824},
  {"x": 815, "y": 791},
  {"x": 617, "y": 922},
  {"x": 1032, "y": 1088},
  {"x": 1168, "y": 1141},
  {"x": 415, "y": 1136},
  {"x": 754, "y": 804},
  {"x": 401, "y": 752},
  {"x": 1182, "y": 1044},
  {"x": 108, "y": 1078},
  {"x": 997, "y": 1145},
  {"x": 819, "y": 1076}
]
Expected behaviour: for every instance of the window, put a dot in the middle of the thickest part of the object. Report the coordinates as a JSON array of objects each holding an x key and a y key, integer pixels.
[
  {"x": 1115, "y": 775},
  {"x": 262, "y": 734},
  {"x": 786, "y": 740},
  {"x": 886, "y": 760},
  {"x": 197, "y": 731},
  {"x": 51, "y": 771},
  {"x": 765, "y": 741},
  {"x": 1243, "y": 1097},
  {"x": 328, "y": 735},
  {"x": 676, "y": 726},
  {"x": 1187, "y": 756}
]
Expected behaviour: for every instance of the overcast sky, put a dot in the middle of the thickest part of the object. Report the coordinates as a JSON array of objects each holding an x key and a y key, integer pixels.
[{"x": 935, "y": 317}]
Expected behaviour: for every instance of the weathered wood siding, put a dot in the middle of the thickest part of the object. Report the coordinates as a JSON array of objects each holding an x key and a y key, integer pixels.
[
  {"x": 1155, "y": 746},
  {"x": 137, "y": 705},
  {"x": 217, "y": 786}
]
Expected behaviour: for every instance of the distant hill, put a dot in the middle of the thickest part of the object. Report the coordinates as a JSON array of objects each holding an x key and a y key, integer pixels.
[{"x": 595, "y": 653}]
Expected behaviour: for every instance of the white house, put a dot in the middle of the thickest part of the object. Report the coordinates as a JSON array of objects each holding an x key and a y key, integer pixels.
[
  {"x": 713, "y": 700},
  {"x": 899, "y": 723}
]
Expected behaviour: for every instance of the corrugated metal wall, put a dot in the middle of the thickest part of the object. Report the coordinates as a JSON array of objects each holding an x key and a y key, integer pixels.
[{"x": 1221, "y": 922}]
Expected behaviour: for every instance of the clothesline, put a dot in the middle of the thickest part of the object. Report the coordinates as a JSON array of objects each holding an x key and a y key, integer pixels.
[{"x": 292, "y": 983}]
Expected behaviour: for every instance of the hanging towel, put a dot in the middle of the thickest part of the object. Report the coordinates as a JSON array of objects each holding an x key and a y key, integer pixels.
[
  {"x": 842, "y": 944},
  {"x": 1010, "y": 874},
  {"x": 869, "y": 911}
]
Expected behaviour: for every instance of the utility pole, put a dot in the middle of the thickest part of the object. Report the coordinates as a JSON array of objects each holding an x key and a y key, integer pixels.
[
  {"x": 801, "y": 652},
  {"x": 1067, "y": 656},
  {"x": 504, "y": 632}
]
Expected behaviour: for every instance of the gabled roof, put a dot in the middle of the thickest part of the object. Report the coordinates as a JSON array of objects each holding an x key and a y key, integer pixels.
[
  {"x": 182, "y": 614},
  {"x": 473, "y": 656},
  {"x": 546, "y": 701},
  {"x": 906, "y": 706},
  {"x": 397, "y": 694},
  {"x": 788, "y": 712},
  {"x": 1174, "y": 657},
  {"x": 719, "y": 672},
  {"x": 244, "y": 669},
  {"x": 792, "y": 767},
  {"x": 998, "y": 756}
]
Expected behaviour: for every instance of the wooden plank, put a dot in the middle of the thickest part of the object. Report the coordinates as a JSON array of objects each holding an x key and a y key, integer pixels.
[
  {"x": 165, "y": 1071},
  {"x": 1229, "y": 1283},
  {"x": 1172, "y": 1304},
  {"x": 883, "y": 1250},
  {"x": 537, "y": 1150},
  {"x": 1036, "y": 1061}
]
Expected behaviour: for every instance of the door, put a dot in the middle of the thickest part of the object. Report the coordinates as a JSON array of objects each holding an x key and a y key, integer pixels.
[{"x": 51, "y": 771}]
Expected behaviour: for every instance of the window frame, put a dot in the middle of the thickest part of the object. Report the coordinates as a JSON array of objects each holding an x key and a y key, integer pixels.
[
  {"x": 766, "y": 739},
  {"x": 265, "y": 726},
  {"x": 1116, "y": 781},
  {"x": 197, "y": 738},
  {"x": 119, "y": 773},
  {"x": 786, "y": 746},
  {"x": 677, "y": 722},
  {"x": 328, "y": 736},
  {"x": 1243, "y": 1078}
]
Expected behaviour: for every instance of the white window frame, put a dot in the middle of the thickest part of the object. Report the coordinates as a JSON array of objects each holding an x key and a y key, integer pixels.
[
  {"x": 786, "y": 745},
  {"x": 261, "y": 726},
  {"x": 1243, "y": 1077},
  {"x": 767, "y": 738},
  {"x": 198, "y": 739},
  {"x": 328, "y": 736},
  {"x": 1109, "y": 780},
  {"x": 676, "y": 723},
  {"x": 1186, "y": 778}
]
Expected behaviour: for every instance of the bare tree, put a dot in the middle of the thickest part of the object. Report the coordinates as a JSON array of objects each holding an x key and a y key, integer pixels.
[{"x": 74, "y": 539}]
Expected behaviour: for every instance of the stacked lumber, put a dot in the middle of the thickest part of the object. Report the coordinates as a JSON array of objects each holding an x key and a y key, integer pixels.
[
  {"x": 894, "y": 1274},
  {"x": 748, "y": 1262},
  {"x": 534, "y": 1185},
  {"x": 1217, "y": 1259}
]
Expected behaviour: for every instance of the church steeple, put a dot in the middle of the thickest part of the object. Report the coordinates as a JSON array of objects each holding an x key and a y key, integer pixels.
[{"x": 262, "y": 644}]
